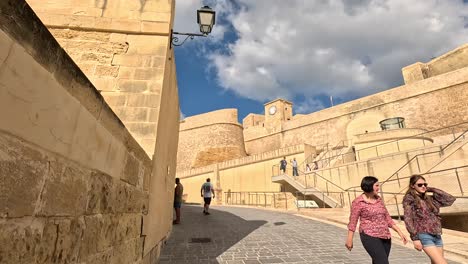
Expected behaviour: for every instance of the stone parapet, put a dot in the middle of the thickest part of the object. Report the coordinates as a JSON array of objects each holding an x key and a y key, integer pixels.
[
  {"x": 450, "y": 61},
  {"x": 275, "y": 154},
  {"x": 228, "y": 116}
]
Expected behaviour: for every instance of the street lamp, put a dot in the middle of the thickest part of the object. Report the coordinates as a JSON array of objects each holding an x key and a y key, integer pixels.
[{"x": 205, "y": 19}]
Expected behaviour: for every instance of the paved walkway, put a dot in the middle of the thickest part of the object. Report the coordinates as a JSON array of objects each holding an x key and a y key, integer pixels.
[{"x": 248, "y": 235}]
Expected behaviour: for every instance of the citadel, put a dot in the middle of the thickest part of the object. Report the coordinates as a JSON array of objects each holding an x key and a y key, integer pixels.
[{"x": 91, "y": 141}]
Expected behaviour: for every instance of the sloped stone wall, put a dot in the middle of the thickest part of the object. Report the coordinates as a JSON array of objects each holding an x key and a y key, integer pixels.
[
  {"x": 74, "y": 183},
  {"x": 122, "y": 47}
]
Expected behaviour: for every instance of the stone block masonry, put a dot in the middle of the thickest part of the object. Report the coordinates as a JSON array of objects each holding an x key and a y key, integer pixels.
[
  {"x": 75, "y": 185},
  {"x": 122, "y": 47},
  {"x": 54, "y": 210}
]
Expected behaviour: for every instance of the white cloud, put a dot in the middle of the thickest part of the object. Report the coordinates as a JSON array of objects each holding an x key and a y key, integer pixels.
[
  {"x": 334, "y": 47},
  {"x": 308, "y": 106}
]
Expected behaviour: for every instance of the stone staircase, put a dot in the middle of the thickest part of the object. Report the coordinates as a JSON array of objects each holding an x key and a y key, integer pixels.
[{"x": 302, "y": 187}]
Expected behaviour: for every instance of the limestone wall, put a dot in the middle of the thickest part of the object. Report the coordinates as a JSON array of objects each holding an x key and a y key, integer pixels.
[
  {"x": 453, "y": 60},
  {"x": 121, "y": 46},
  {"x": 252, "y": 173},
  {"x": 75, "y": 186},
  {"x": 428, "y": 104},
  {"x": 210, "y": 138}
]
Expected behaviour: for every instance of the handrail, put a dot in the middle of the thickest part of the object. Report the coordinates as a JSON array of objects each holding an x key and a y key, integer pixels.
[
  {"x": 413, "y": 158},
  {"x": 337, "y": 146},
  {"x": 437, "y": 172},
  {"x": 417, "y": 135},
  {"x": 305, "y": 159},
  {"x": 453, "y": 141}
]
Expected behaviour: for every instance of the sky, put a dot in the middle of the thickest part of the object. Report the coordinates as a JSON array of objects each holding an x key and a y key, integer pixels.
[{"x": 307, "y": 51}]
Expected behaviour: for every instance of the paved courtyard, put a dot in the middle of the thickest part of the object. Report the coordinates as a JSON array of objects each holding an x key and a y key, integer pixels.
[{"x": 247, "y": 236}]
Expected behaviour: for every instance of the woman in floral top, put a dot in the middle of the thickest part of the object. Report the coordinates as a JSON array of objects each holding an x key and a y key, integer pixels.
[
  {"x": 374, "y": 222},
  {"x": 422, "y": 218}
]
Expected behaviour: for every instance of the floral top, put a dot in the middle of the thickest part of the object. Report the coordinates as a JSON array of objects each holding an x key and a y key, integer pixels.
[
  {"x": 374, "y": 218},
  {"x": 424, "y": 219}
]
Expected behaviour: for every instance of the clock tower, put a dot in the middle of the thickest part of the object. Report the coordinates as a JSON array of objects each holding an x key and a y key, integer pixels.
[{"x": 277, "y": 111}]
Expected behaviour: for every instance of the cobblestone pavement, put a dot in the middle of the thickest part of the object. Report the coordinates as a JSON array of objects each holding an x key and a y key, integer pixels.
[{"x": 248, "y": 236}]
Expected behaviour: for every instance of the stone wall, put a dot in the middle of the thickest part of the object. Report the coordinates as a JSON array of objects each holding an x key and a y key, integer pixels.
[
  {"x": 75, "y": 186},
  {"x": 121, "y": 46},
  {"x": 252, "y": 173},
  {"x": 453, "y": 60},
  {"x": 428, "y": 104},
  {"x": 210, "y": 138}
]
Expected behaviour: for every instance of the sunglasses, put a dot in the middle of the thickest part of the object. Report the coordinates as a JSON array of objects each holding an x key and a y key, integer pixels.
[{"x": 421, "y": 184}]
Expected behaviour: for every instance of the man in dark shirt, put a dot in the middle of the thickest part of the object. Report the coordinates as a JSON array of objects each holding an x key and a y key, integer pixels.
[{"x": 179, "y": 190}]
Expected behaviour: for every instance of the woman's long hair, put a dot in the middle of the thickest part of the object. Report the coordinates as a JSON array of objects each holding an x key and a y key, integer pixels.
[{"x": 419, "y": 197}]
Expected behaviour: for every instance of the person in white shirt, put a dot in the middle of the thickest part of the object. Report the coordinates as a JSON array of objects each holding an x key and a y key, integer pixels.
[
  {"x": 207, "y": 192},
  {"x": 294, "y": 165}
]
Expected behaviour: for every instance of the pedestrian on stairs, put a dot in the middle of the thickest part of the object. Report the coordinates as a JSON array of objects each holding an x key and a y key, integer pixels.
[
  {"x": 283, "y": 164},
  {"x": 375, "y": 220},
  {"x": 294, "y": 165},
  {"x": 422, "y": 219}
]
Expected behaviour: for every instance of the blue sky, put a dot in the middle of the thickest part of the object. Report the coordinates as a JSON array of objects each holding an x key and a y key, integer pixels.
[{"x": 307, "y": 51}]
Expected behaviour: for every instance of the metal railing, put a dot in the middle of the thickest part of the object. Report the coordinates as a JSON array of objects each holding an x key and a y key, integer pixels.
[
  {"x": 452, "y": 129},
  {"x": 325, "y": 156},
  {"x": 416, "y": 159},
  {"x": 262, "y": 199}
]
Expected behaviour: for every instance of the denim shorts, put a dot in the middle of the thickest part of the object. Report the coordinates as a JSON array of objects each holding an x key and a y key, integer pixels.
[{"x": 428, "y": 240}]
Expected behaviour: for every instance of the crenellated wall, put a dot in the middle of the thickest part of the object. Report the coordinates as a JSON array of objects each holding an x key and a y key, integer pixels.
[
  {"x": 210, "y": 138},
  {"x": 75, "y": 186}
]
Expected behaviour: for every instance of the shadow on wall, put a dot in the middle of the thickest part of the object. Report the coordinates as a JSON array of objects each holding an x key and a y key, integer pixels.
[{"x": 187, "y": 238}]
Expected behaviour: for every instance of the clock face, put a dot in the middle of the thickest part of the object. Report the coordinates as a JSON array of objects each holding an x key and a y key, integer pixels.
[{"x": 272, "y": 110}]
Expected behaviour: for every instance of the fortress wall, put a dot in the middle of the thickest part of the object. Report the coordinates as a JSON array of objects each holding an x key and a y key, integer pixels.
[
  {"x": 210, "y": 138},
  {"x": 453, "y": 60},
  {"x": 121, "y": 46},
  {"x": 274, "y": 154},
  {"x": 74, "y": 183},
  {"x": 428, "y": 104},
  {"x": 252, "y": 173},
  {"x": 209, "y": 144},
  {"x": 228, "y": 116},
  {"x": 246, "y": 177}
]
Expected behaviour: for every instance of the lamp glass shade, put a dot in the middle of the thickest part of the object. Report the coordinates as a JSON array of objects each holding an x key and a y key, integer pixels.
[{"x": 206, "y": 19}]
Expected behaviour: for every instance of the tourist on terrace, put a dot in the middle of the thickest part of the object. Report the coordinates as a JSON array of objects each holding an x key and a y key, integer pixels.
[
  {"x": 283, "y": 164},
  {"x": 294, "y": 165},
  {"x": 179, "y": 190},
  {"x": 422, "y": 218},
  {"x": 375, "y": 220}
]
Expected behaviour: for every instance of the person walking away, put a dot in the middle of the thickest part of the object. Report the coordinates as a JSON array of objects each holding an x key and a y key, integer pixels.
[
  {"x": 283, "y": 164},
  {"x": 207, "y": 192},
  {"x": 422, "y": 219},
  {"x": 179, "y": 190},
  {"x": 294, "y": 165},
  {"x": 375, "y": 221},
  {"x": 308, "y": 169}
]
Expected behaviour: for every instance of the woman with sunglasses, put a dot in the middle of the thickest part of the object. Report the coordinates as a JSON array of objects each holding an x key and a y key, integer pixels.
[
  {"x": 374, "y": 219},
  {"x": 422, "y": 218}
]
